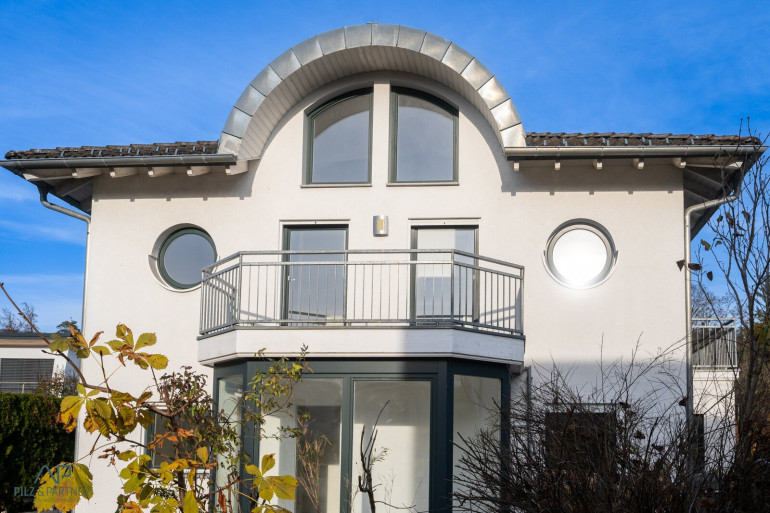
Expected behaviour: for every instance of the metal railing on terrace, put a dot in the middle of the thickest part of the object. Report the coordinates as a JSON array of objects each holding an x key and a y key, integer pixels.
[
  {"x": 714, "y": 344},
  {"x": 360, "y": 288}
]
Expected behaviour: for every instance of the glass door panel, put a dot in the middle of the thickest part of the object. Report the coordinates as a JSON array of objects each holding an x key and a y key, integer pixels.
[
  {"x": 391, "y": 437},
  {"x": 229, "y": 401},
  {"x": 476, "y": 409},
  {"x": 314, "y": 456},
  {"x": 315, "y": 286},
  {"x": 433, "y": 291}
]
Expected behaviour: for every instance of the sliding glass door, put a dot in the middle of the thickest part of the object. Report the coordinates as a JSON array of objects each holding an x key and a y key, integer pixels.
[
  {"x": 433, "y": 294},
  {"x": 314, "y": 292}
]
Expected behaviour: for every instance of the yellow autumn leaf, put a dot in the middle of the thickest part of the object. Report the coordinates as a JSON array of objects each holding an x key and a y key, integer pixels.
[
  {"x": 190, "y": 505},
  {"x": 283, "y": 486}
]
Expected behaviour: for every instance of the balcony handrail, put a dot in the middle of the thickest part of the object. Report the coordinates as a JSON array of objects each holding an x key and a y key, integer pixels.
[
  {"x": 714, "y": 343},
  {"x": 462, "y": 289},
  {"x": 475, "y": 256}
]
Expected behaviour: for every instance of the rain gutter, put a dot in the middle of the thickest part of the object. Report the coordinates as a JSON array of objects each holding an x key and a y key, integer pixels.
[
  {"x": 609, "y": 152},
  {"x": 211, "y": 159}
]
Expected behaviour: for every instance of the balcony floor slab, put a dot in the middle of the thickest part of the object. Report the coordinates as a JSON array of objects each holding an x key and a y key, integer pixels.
[{"x": 347, "y": 342}]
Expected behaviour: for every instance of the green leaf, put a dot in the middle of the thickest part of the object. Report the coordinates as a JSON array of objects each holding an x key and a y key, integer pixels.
[
  {"x": 116, "y": 345},
  {"x": 84, "y": 479},
  {"x": 190, "y": 504},
  {"x": 253, "y": 470},
  {"x": 157, "y": 361},
  {"x": 59, "y": 344},
  {"x": 268, "y": 462},
  {"x": 203, "y": 454},
  {"x": 101, "y": 350},
  {"x": 145, "y": 339},
  {"x": 132, "y": 484},
  {"x": 126, "y": 455}
]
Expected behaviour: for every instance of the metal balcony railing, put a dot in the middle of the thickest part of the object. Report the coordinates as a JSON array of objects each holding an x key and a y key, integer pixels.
[
  {"x": 714, "y": 344},
  {"x": 400, "y": 288}
]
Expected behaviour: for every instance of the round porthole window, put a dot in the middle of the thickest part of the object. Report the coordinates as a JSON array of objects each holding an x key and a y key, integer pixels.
[
  {"x": 183, "y": 255},
  {"x": 580, "y": 254}
]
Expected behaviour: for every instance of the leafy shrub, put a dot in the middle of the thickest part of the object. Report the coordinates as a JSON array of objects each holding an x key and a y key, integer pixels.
[{"x": 29, "y": 438}]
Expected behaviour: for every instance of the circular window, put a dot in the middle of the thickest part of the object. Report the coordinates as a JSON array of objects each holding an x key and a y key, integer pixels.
[
  {"x": 580, "y": 254},
  {"x": 183, "y": 255}
]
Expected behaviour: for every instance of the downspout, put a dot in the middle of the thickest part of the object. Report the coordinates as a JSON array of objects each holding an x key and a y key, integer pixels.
[
  {"x": 86, "y": 219},
  {"x": 688, "y": 294},
  {"x": 77, "y": 215}
]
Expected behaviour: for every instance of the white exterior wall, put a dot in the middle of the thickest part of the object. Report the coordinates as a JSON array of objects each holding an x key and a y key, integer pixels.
[{"x": 515, "y": 211}]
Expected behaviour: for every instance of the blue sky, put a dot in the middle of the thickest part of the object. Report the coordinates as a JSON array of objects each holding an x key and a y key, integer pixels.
[{"x": 96, "y": 73}]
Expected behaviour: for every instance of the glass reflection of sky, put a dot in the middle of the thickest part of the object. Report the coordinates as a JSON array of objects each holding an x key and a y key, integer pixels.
[
  {"x": 579, "y": 256},
  {"x": 425, "y": 150},
  {"x": 186, "y": 257},
  {"x": 341, "y": 142}
]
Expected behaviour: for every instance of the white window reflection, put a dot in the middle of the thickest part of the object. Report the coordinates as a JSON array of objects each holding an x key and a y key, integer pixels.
[{"x": 580, "y": 254}]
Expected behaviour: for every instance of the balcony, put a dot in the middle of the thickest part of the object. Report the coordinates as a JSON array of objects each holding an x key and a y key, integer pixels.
[
  {"x": 346, "y": 292},
  {"x": 714, "y": 344}
]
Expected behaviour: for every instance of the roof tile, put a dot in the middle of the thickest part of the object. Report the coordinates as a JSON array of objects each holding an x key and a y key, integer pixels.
[{"x": 532, "y": 138}]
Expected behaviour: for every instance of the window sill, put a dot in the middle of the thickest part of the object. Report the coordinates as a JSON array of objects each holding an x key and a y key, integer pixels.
[
  {"x": 332, "y": 185},
  {"x": 420, "y": 184}
]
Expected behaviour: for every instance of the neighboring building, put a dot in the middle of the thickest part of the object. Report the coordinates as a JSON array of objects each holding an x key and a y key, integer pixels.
[
  {"x": 379, "y": 201},
  {"x": 23, "y": 364}
]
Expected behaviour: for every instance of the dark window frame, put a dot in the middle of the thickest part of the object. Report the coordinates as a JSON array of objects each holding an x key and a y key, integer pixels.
[
  {"x": 439, "y": 372},
  {"x": 286, "y": 235},
  {"x": 307, "y": 175},
  {"x": 413, "y": 238},
  {"x": 167, "y": 243},
  {"x": 452, "y": 110}
]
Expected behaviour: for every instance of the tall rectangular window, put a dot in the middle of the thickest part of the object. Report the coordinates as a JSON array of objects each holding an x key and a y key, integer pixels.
[
  {"x": 443, "y": 288},
  {"x": 229, "y": 395},
  {"x": 314, "y": 455},
  {"x": 391, "y": 436},
  {"x": 477, "y": 403},
  {"x": 314, "y": 291}
]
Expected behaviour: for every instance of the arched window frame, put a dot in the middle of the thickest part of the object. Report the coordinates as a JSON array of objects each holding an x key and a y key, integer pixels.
[
  {"x": 453, "y": 111},
  {"x": 310, "y": 136}
]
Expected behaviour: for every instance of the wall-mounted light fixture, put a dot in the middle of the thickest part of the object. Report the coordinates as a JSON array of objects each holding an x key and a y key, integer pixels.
[{"x": 380, "y": 226}]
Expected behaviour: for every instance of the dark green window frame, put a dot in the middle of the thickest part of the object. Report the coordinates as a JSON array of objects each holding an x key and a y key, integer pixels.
[
  {"x": 393, "y": 173},
  {"x": 439, "y": 372},
  {"x": 162, "y": 255},
  {"x": 307, "y": 178}
]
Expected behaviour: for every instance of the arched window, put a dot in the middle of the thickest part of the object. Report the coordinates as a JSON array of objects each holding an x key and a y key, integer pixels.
[
  {"x": 423, "y": 138},
  {"x": 339, "y": 140}
]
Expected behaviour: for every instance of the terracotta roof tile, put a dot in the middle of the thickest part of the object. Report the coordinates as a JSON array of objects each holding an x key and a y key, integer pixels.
[
  {"x": 130, "y": 150},
  {"x": 533, "y": 139},
  {"x": 632, "y": 139}
]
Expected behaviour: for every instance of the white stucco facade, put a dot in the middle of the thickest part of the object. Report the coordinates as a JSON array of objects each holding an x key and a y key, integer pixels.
[{"x": 514, "y": 204}]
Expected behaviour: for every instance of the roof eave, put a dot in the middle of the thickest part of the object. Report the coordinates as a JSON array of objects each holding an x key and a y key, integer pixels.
[
  {"x": 609, "y": 152},
  {"x": 211, "y": 159}
]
